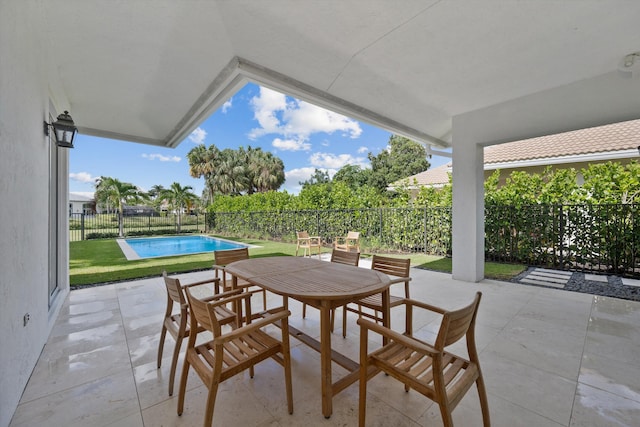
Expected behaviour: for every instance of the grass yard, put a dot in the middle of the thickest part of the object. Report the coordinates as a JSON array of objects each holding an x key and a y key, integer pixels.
[{"x": 101, "y": 261}]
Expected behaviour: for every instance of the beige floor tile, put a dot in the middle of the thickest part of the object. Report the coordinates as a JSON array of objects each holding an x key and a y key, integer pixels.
[
  {"x": 537, "y": 347},
  {"x": 595, "y": 407},
  {"x": 97, "y": 403},
  {"x": 612, "y": 376},
  {"x": 539, "y": 391},
  {"x": 55, "y": 375}
]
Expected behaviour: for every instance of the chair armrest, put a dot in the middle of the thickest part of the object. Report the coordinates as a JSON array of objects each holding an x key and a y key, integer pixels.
[
  {"x": 425, "y": 306},
  {"x": 260, "y": 323},
  {"x": 405, "y": 340},
  {"x": 202, "y": 282},
  {"x": 235, "y": 295},
  {"x": 400, "y": 280},
  {"x": 222, "y": 295}
]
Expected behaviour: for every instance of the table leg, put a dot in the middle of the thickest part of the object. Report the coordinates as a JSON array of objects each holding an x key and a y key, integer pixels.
[
  {"x": 325, "y": 359},
  {"x": 386, "y": 313}
]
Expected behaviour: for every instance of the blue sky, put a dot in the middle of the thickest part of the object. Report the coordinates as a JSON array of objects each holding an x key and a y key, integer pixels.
[{"x": 304, "y": 136}]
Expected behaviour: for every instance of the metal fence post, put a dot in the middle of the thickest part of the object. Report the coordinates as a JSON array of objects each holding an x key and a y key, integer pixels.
[
  {"x": 82, "y": 226},
  {"x": 562, "y": 235}
]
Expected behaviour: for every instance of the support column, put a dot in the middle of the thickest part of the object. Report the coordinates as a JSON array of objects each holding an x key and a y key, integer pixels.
[{"x": 468, "y": 208}]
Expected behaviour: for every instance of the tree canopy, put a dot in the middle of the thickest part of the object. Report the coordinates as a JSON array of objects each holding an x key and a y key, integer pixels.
[
  {"x": 403, "y": 159},
  {"x": 235, "y": 172}
]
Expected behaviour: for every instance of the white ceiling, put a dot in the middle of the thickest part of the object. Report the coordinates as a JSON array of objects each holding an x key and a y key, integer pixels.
[{"x": 151, "y": 71}]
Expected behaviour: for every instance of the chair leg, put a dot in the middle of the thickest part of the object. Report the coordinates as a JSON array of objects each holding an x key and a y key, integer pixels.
[
  {"x": 484, "y": 403},
  {"x": 174, "y": 362},
  {"x": 304, "y": 310},
  {"x": 211, "y": 403},
  {"x": 446, "y": 414},
  {"x": 163, "y": 334},
  {"x": 183, "y": 385},
  {"x": 364, "y": 357},
  {"x": 286, "y": 356}
]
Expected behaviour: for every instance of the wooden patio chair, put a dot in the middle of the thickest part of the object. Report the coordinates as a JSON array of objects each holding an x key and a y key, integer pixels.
[
  {"x": 340, "y": 257},
  {"x": 230, "y": 353},
  {"x": 306, "y": 243},
  {"x": 350, "y": 242},
  {"x": 427, "y": 368},
  {"x": 177, "y": 324},
  {"x": 225, "y": 257},
  {"x": 396, "y": 267}
]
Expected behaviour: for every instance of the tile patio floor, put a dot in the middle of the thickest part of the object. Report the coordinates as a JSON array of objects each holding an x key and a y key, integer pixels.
[{"x": 550, "y": 358}]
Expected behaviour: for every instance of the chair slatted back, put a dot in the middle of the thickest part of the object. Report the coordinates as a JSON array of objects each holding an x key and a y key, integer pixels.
[
  {"x": 200, "y": 314},
  {"x": 302, "y": 234},
  {"x": 455, "y": 324},
  {"x": 174, "y": 290},
  {"x": 398, "y": 267},
  {"x": 228, "y": 256},
  {"x": 348, "y": 258},
  {"x": 353, "y": 235}
]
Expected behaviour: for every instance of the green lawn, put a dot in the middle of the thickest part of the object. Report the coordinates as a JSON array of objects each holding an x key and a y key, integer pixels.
[{"x": 100, "y": 261}]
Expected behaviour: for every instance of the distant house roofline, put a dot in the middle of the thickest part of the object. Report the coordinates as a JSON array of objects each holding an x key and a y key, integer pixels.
[{"x": 596, "y": 144}]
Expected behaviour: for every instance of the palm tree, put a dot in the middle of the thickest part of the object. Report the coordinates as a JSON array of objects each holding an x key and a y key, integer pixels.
[
  {"x": 179, "y": 198},
  {"x": 203, "y": 162},
  {"x": 266, "y": 171},
  {"x": 230, "y": 176},
  {"x": 113, "y": 192}
]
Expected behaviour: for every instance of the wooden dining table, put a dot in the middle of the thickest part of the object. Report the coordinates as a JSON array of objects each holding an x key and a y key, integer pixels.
[{"x": 325, "y": 286}]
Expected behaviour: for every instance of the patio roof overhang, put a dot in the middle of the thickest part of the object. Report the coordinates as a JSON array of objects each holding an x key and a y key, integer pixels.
[{"x": 507, "y": 70}]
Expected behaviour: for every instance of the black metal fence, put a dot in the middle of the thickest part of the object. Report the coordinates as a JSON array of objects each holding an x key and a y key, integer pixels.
[
  {"x": 85, "y": 226},
  {"x": 403, "y": 229},
  {"x": 593, "y": 238}
]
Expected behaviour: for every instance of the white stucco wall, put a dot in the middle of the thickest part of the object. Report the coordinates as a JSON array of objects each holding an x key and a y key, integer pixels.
[{"x": 24, "y": 191}]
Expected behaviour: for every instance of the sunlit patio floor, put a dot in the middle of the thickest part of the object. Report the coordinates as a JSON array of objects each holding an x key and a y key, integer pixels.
[{"x": 549, "y": 357}]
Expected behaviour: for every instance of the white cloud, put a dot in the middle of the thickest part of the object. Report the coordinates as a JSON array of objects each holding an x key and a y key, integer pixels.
[
  {"x": 336, "y": 161},
  {"x": 265, "y": 108},
  {"x": 225, "y": 107},
  {"x": 82, "y": 177},
  {"x": 198, "y": 135},
  {"x": 363, "y": 150},
  {"x": 291, "y": 145},
  {"x": 296, "y": 119},
  {"x": 161, "y": 157},
  {"x": 306, "y": 119}
]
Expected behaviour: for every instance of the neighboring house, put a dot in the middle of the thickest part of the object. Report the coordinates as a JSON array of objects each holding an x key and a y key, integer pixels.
[
  {"x": 81, "y": 204},
  {"x": 578, "y": 149}
]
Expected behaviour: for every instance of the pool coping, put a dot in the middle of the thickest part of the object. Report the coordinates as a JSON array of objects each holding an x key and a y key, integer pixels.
[{"x": 132, "y": 255}]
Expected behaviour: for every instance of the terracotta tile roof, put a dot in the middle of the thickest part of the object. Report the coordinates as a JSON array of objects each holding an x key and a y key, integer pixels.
[
  {"x": 603, "y": 139},
  {"x": 436, "y": 176},
  {"x": 615, "y": 137}
]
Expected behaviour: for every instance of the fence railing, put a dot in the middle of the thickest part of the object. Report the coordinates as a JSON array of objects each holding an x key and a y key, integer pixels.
[
  {"x": 594, "y": 238},
  {"x": 402, "y": 229},
  {"x": 86, "y": 226}
]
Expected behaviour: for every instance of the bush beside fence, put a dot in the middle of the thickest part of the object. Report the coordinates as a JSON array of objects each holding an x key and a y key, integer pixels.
[
  {"x": 590, "y": 238},
  {"x": 593, "y": 238}
]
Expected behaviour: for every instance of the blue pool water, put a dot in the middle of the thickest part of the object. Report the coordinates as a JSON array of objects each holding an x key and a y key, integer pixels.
[{"x": 179, "y": 245}]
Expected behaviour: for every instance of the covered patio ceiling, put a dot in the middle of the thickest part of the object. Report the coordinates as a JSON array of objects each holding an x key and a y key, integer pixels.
[{"x": 151, "y": 71}]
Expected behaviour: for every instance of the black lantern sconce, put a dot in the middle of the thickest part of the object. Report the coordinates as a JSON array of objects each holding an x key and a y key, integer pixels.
[{"x": 64, "y": 130}]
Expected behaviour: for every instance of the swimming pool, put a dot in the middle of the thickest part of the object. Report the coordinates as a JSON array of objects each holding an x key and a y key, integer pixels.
[{"x": 154, "y": 247}]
